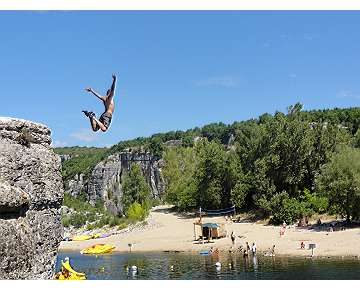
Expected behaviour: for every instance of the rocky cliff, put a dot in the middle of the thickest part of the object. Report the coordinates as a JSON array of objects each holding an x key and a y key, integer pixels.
[
  {"x": 104, "y": 182},
  {"x": 31, "y": 193}
]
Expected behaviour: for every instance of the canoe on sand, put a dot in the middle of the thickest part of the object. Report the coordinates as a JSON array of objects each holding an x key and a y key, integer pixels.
[
  {"x": 98, "y": 249},
  {"x": 82, "y": 238}
]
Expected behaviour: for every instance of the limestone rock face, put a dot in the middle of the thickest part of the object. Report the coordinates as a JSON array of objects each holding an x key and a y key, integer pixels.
[
  {"x": 31, "y": 193},
  {"x": 104, "y": 182},
  {"x": 76, "y": 185}
]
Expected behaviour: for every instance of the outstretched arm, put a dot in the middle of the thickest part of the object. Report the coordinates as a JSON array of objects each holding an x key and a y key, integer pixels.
[
  {"x": 112, "y": 89},
  {"x": 95, "y": 93}
]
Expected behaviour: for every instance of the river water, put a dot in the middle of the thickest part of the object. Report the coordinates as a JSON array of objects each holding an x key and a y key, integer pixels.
[{"x": 192, "y": 266}]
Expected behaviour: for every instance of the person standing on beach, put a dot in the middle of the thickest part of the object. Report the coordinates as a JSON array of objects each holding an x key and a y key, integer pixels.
[
  {"x": 282, "y": 229},
  {"x": 247, "y": 247},
  {"x": 233, "y": 237},
  {"x": 108, "y": 100},
  {"x": 302, "y": 246},
  {"x": 253, "y": 249},
  {"x": 245, "y": 253}
]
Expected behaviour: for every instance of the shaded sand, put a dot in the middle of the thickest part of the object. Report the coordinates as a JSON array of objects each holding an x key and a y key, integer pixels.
[{"x": 168, "y": 231}]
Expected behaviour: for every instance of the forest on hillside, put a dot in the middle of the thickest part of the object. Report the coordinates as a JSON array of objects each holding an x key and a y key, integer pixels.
[{"x": 285, "y": 166}]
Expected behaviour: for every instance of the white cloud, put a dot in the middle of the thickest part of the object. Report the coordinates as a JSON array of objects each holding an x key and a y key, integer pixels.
[
  {"x": 348, "y": 94},
  {"x": 58, "y": 143},
  {"x": 85, "y": 135},
  {"x": 225, "y": 81}
]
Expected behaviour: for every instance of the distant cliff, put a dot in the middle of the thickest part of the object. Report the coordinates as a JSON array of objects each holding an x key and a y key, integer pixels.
[
  {"x": 104, "y": 181},
  {"x": 31, "y": 193}
]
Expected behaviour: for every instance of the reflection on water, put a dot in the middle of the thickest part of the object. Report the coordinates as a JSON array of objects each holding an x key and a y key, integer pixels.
[{"x": 188, "y": 266}]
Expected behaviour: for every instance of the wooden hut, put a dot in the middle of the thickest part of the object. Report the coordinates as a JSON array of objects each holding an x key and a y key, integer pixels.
[{"x": 211, "y": 230}]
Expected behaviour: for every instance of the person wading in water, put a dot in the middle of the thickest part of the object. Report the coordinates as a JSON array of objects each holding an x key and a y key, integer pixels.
[{"x": 108, "y": 100}]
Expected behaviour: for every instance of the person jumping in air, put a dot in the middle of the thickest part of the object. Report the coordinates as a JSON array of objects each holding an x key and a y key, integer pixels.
[{"x": 105, "y": 119}]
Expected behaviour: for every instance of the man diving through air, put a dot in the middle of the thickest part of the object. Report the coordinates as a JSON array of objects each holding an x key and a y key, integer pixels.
[{"x": 105, "y": 119}]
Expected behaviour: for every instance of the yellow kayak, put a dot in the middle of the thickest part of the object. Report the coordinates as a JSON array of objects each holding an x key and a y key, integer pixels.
[
  {"x": 98, "y": 249},
  {"x": 82, "y": 238},
  {"x": 68, "y": 273}
]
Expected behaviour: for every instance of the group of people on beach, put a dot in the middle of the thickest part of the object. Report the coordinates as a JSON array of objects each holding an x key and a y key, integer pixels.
[
  {"x": 245, "y": 250},
  {"x": 249, "y": 249}
]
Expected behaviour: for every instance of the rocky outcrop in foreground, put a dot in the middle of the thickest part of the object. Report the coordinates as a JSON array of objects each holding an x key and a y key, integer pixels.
[{"x": 31, "y": 193}]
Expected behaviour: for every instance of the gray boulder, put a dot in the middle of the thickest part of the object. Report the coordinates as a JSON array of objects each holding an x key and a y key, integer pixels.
[{"x": 31, "y": 193}]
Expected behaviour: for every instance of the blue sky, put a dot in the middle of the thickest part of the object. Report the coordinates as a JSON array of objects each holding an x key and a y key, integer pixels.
[{"x": 176, "y": 70}]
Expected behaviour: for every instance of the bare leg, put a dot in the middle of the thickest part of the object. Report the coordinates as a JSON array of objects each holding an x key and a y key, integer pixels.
[
  {"x": 94, "y": 124},
  {"x": 91, "y": 117},
  {"x": 99, "y": 124}
]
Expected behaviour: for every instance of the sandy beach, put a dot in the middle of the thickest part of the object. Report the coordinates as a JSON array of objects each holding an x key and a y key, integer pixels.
[{"x": 168, "y": 231}]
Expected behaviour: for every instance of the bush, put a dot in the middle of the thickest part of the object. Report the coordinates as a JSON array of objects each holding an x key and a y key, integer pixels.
[
  {"x": 122, "y": 225},
  {"x": 78, "y": 220},
  {"x": 270, "y": 204},
  {"x": 155, "y": 202},
  {"x": 114, "y": 221},
  {"x": 136, "y": 212},
  {"x": 90, "y": 227},
  {"x": 85, "y": 212},
  {"x": 288, "y": 212},
  {"x": 291, "y": 209},
  {"x": 315, "y": 201},
  {"x": 65, "y": 220}
]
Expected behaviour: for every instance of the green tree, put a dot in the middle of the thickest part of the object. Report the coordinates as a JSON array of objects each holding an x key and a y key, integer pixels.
[
  {"x": 155, "y": 145},
  {"x": 208, "y": 176},
  {"x": 285, "y": 152},
  {"x": 135, "y": 189},
  {"x": 356, "y": 139},
  {"x": 340, "y": 181},
  {"x": 324, "y": 138},
  {"x": 178, "y": 173},
  {"x": 279, "y": 163},
  {"x": 234, "y": 183},
  {"x": 219, "y": 180},
  {"x": 215, "y": 131}
]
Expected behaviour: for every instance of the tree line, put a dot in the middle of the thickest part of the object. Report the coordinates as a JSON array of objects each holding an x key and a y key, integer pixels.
[
  {"x": 84, "y": 159},
  {"x": 284, "y": 166}
]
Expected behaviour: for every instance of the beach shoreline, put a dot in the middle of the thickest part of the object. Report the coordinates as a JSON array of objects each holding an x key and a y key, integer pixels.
[
  {"x": 279, "y": 255},
  {"x": 175, "y": 233}
]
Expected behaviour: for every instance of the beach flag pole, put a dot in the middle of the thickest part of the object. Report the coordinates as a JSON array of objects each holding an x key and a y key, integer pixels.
[
  {"x": 194, "y": 232},
  {"x": 202, "y": 232}
]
